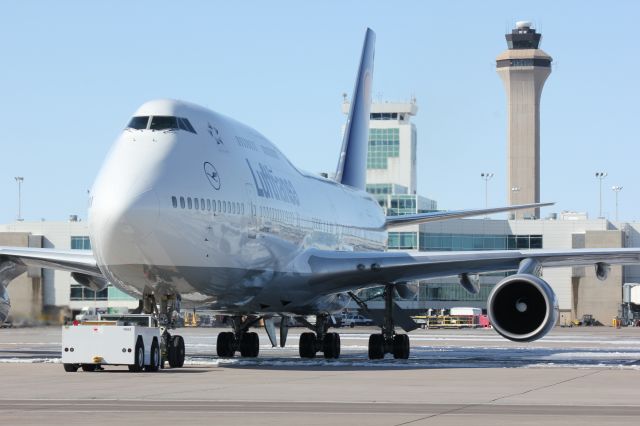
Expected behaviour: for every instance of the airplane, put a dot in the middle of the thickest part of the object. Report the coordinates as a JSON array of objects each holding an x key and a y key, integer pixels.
[{"x": 194, "y": 209}]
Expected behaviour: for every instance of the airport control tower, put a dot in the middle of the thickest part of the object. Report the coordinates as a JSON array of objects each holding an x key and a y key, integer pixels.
[{"x": 523, "y": 69}]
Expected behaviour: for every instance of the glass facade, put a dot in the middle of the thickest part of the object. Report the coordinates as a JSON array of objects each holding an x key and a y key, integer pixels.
[
  {"x": 379, "y": 188},
  {"x": 453, "y": 292},
  {"x": 402, "y": 204},
  {"x": 462, "y": 242},
  {"x": 79, "y": 292},
  {"x": 383, "y": 143},
  {"x": 403, "y": 240},
  {"x": 80, "y": 243}
]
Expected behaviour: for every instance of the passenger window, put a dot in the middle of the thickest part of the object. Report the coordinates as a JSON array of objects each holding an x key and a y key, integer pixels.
[
  {"x": 208, "y": 204},
  {"x": 201, "y": 203},
  {"x": 224, "y": 206},
  {"x": 233, "y": 207},
  {"x": 161, "y": 122},
  {"x": 196, "y": 203},
  {"x": 138, "y": 123},
  {"x": 174, "y": 202},
  {"x": 189, "y": 202},
  {"x": 219, "y": 206},
  {"x": 182, "y": 202}
]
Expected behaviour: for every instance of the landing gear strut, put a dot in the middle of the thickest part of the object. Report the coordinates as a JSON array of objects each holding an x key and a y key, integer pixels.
[
  {"x": 387, "y": 341},
  {"x": 319, "y": 341},
  {"x": 247, "y": 342}
]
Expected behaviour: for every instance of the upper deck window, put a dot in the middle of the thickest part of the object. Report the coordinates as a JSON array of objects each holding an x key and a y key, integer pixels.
[{"x": 138, "y": 123}]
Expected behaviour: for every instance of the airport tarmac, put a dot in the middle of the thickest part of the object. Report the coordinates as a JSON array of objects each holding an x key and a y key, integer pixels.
[{"x": 583, "y": 376}]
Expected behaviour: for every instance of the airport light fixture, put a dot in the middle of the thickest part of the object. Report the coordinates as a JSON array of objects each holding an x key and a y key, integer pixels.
[
  {"x": 616, "y": 189},
  {"x": 600, "y": 176},
  {"x": 512, "y": 215},
  {"x": 19, "y": 180},
  {"x": 486, "y": 177}
]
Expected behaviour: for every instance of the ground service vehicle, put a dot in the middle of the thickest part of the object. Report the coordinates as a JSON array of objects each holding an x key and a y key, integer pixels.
[
  {"x": 354, "y": 319},
  {"x": 134, "y": 340}
]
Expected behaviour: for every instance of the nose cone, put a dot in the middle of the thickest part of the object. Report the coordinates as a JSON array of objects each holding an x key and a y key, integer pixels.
[{"x": 121, "y": 223}]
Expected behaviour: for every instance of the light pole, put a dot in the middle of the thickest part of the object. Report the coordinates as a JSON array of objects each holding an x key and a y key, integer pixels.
[
  {"x": 600, "y": 176},
  {"x": 513, "y": 190},
  {"x": 19, "y": 179},
  {"x": 486, "y": 177},
  {"x": 616, "y": 189}
]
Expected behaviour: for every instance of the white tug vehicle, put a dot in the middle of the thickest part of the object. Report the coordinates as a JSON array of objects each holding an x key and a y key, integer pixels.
[{"x": 134, "y": 340}]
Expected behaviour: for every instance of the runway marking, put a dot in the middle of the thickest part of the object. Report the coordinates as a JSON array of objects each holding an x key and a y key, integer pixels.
[{"x": 425, "y": 410}]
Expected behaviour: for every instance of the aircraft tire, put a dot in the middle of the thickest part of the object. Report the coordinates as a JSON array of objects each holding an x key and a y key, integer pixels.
[
  {"x": 224, "y": 345},
  {"x": 307, "y": 345},
  {"x": 89, "y": 367},
  {"x": 376, "y": 346},
  {"x": 250, "y": 345},
  {"x": 401, "y": 346},
  {"x": 180, "y": 351},
  {"x": 331, "y": 345}
]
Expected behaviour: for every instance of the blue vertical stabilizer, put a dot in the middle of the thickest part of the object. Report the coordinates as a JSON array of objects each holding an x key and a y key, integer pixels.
[{"x": 352, "y": 165}]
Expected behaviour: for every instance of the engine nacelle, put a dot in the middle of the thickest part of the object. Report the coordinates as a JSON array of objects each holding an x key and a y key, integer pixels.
[
  {"x": 602, "y": 270},
  {"x": 90, "y": 281},
  {"x": 522, "y": 308},
  {"x": 8, "y": 271},
  {"x": 407, "y": 291}
]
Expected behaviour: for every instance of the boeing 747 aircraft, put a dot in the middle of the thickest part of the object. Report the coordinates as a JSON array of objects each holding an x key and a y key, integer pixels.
[{"x": 192, "y": 208}]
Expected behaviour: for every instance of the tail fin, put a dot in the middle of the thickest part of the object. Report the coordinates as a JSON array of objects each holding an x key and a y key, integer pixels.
[{"x": 352, "y": 165}]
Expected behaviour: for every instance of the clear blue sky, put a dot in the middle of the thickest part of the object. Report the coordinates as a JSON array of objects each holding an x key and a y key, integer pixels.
[{"x": 72, "y": 72}]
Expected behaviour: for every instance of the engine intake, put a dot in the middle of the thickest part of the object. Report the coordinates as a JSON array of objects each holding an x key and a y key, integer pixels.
[{"x": 522, "y": 308}]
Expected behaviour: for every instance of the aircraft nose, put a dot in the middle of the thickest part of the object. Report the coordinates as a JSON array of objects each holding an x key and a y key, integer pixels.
[
  {"x": 120, "y": 225},
  {"x": 139, "y": 216}
]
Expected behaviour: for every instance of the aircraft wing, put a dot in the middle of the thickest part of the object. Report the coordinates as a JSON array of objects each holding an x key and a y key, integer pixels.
[
  {"x": 79, "y": 261},
  {"x": 412, "y": 219},
  {"x": 335, "y": 271}
]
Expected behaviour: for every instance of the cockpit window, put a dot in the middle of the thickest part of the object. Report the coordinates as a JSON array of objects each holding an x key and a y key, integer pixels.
[
  {"x": 165, "y": 122},
  {"x": 138, "y": 123},
  {"x": 187, "y": 126},
  {"x": 162, "y": 122}
]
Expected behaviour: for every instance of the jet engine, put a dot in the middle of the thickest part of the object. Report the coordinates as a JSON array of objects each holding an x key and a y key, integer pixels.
[
  {"x": 407, "y": 291},
  {"x": 522, "y": 307},
  {"x": 8, "y": 271}
]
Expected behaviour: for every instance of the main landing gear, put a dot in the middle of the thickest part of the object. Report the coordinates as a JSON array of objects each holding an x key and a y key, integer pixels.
[
  {"x": 319, "y": 340},
  {"x": 247, "y": 342},
  {"x": 387, "y": 341}
]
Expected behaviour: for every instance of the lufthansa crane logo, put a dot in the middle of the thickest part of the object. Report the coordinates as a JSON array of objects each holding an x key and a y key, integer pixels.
[{"x": 212, "y": 175}]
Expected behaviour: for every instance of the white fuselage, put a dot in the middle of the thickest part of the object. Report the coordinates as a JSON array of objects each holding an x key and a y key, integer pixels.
[{"x": 220, "y": 216}]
